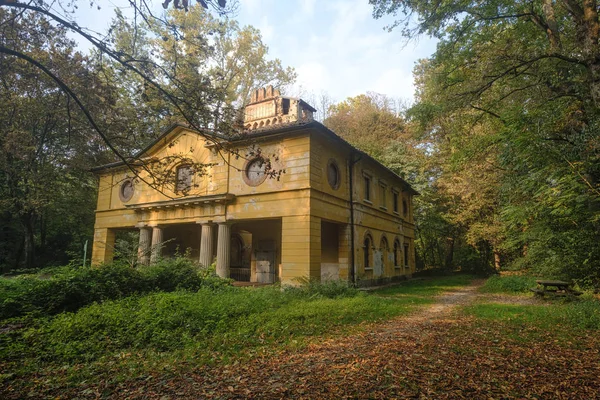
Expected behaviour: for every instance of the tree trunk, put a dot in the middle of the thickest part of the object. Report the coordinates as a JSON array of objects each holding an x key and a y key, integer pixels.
[
  {"x": 497, "y": 260},
  {"x": 43, "y": 230},
  {"x": 18, "y": 255},
  {"x": 449, "y": 253},
  {"x": 27, "y": 221}
]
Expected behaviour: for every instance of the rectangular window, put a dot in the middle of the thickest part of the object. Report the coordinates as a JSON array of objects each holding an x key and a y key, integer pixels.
[
  {"x": 383, "y": 196},
  {"x": 395, "y": 202},
  {"x": 285, "y": 104},
  {"x": 367, "y": 188},
  {"x": 406, "y": 254}
]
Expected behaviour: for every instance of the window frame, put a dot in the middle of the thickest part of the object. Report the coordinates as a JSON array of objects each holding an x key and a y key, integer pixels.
[
  {"x": 190, "y": 176},
  {"x": 247, "y": 178},
  {"x": 332, "y": 162},
  {"x": 397, "y": 256},
  {"x": 395, "y": 198},
  {"x": 122, "y": 196},
  {"x": 367, "y": 183},
  {"x": 367, "y": 253},
  {"x": 383, "y": 195}
]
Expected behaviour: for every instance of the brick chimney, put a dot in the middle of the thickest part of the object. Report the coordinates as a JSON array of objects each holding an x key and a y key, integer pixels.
[{"x": 268, "y": 107}]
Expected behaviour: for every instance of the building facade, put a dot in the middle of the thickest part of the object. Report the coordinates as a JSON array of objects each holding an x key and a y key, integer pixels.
[{"x": 319, "y": 209}]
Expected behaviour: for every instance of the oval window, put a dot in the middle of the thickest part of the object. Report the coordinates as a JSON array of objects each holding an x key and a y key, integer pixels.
[
  {"x": 126, "y": 191},
  {"x": 255, "y": 172},
  {"x": 333, "y": 174}
]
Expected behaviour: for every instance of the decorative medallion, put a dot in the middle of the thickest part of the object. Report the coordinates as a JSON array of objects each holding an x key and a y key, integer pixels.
[
  {"x": 254, "y": 172},
  {"x": 333, "y": 174},
  {"x": 126, "y": 191}
]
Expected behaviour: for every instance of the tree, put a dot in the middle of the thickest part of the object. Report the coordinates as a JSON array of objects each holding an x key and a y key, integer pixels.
[
  {"x": 44, "y": 138},
  {"x": 153, "y": 76},
  {"x": 367, "y": 121},
  {"x": 62, "y": 112},
  {"x": 512, "y": 92}
]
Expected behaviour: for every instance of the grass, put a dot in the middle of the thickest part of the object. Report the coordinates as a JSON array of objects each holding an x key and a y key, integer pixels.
[
  {"x": 423, "y": 290},
  {"x": 512, "y": 284},
  {"x": 576, "y": 315},
  {"x": 133, "y": 336},
  {"x": 563, "y": 318}
]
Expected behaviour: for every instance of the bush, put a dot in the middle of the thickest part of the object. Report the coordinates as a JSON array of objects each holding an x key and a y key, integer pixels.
[
  {"x": 330, "y": 289},
  {"x": 228, "y": 320},
  {"x": 509, "y": 284},
  {"x": 70, "y": 289}
]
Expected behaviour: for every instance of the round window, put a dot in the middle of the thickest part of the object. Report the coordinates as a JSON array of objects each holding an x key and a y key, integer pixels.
[
  {"x": 126, "y": 191},
  {"x": 333, "y": 174},
  {"x": 254, "y": 173}
]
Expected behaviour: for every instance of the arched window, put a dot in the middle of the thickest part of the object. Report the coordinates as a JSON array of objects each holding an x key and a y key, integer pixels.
[
  {"x": 183, "y": 182},
  {"x": 383, "y": 245},
  {"x": 368, "y": 252},
  {"x": 397, "y": 253}
]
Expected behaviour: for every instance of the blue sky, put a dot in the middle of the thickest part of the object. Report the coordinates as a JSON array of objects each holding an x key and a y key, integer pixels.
[{"x": 335, "y": 46}]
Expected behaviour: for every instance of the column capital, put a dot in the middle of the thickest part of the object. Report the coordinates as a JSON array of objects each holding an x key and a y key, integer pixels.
[{"x": 201, "y": 222}]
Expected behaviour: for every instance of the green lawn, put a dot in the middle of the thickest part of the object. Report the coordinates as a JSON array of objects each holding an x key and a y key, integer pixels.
[
  {"x": 155, "y": 332},
  {"x": 528, "y": 318}
]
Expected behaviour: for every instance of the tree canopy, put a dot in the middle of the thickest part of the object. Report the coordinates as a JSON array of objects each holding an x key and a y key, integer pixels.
[
  {"x": 63, "y": 112},
  {"x": 509, "y": 102}
]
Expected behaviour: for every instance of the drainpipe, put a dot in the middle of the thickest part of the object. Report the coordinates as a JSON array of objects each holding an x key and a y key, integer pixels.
[{"x": 350, "y": 178}]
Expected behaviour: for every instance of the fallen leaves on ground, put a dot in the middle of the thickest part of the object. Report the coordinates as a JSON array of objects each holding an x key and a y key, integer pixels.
[{"x": 438, "y": 353}]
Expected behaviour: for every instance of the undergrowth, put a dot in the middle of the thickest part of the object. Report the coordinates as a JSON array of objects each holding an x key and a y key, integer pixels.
[
  {"x": 68, "y": 289},
  {"x": 509, "y": 284},
  {"x": 581, "y": 314},
  {"x": 154, "y": 331}
]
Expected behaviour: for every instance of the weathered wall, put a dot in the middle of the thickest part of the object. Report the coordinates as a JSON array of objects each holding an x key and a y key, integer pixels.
[
  {"x": 312, "y": 228},
  {"x": 374, "y": 216}
]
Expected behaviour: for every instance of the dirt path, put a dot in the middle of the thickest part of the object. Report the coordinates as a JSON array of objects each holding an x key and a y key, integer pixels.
[
  {"x": 342, "y": 367},
  {"x": 435, "y": 353}
]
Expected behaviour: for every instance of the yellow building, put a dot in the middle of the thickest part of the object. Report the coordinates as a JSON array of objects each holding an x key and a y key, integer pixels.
[{"x": 333, "y": 212}]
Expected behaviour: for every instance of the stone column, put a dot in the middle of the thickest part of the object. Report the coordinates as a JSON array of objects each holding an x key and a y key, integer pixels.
[
  {"x": 157, "y": 240},
  {"x": 223, "y": 250},
  {"x": 104, "y": 245},
  {"x": 206, "y": 245},
  {"x": 144, "y": 246}
]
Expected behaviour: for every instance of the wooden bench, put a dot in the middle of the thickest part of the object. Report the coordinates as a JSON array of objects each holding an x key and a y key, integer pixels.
[{"x": 554, "y": 288}]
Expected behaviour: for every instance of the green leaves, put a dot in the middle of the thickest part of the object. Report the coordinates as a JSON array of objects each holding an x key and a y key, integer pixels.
[{"x": 509, "y": 101}]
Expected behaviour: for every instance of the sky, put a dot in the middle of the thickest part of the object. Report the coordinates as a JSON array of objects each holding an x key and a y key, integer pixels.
[{"x": 335, "y": 46}]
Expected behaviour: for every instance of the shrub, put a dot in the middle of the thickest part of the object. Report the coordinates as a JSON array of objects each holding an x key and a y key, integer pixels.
[
  {"x": 170, "y": 275},
  {"x": 70, "y": 289},
  {"x": 329, "y": 289}
]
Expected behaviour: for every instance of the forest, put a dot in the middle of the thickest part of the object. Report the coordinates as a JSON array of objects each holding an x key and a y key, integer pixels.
[{"x": 501, "y": 142}]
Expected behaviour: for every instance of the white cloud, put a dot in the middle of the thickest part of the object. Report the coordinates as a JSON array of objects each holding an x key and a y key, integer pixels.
[
  {"x": 312, "y": 75},
  {"x": 338, "y": 47},
  {"x": 395, "y": 82},
  {"x": 266, "y": 29},
  {"x": 307, "y": 7}
]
